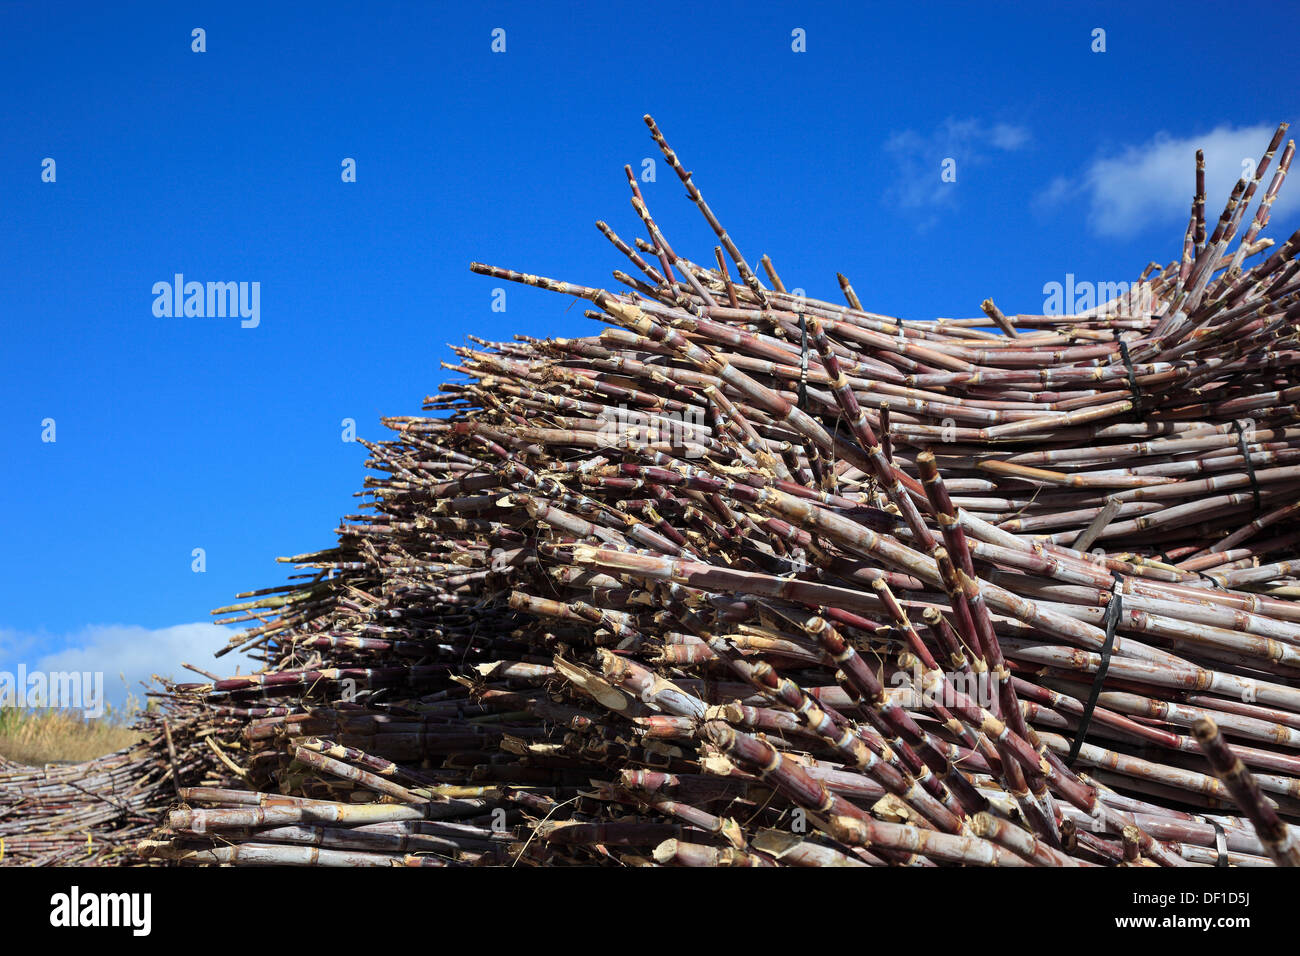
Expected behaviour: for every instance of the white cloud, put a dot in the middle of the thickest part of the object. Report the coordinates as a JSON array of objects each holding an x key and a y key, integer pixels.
[
  {"x": 135, "y": 653},
  {"x": 919, "y": 157},
  {"x": 1008, "y": 137},
  {"x": 1153, "y": 183}
]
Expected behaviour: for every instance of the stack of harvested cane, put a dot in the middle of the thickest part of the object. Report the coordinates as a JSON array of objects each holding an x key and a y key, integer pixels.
[
  {"x": 750, "y": 579},
  {"x": 84, "y": 814}
]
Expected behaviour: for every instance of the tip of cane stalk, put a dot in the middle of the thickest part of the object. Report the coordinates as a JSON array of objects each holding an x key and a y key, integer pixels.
[
  {"x": 849, "y": 829},
  {"x": 718, "y": 733},
  {"x": 892, "y": 810},
  {"x": 667, "y": 851},
  {"x": 733, "y": 834},
  {"x": 592, "y": 685},
  {"x": 629, "y": 316},
  {"x": 717, "y": 765},
  {"x": 725, "y": 712},
  {"x": 775, "y": 842}
]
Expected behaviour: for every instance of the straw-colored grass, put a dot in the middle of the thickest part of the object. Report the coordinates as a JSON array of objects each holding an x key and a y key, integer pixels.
[{"x": 36, "y": 737}]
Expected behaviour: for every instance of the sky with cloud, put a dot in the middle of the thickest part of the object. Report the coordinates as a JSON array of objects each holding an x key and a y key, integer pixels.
[
  {"x": 1122, "y": 192},
  {"x": 128, "y": 657},
  {"x": 959, "y": 144},
  {"x": 179, "y": 433},
  {"x": 1144, "y": 185}
]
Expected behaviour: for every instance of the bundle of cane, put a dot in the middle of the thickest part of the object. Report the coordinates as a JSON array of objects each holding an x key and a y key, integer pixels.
[
  {"x": 91, "y": 813},
  {"x": 751, "y": 579}
]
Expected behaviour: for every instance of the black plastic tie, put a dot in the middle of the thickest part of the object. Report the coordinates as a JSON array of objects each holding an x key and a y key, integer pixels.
[{"x": 1114, "y": 610}]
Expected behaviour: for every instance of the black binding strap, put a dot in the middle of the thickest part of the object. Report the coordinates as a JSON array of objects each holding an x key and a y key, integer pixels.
[
  {"x": 1215, "y": 581},
  {"x": 1220, "y": 843},
  {"x": 1114, "y": 608},
  {"x": 803, "y": 363},
  {"x": 1132, "y": 376},
  {"x": 1250, "y": 469}
]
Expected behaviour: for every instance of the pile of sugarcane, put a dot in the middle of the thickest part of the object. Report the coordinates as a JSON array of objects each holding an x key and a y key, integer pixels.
[
  {"x": 92, "y": 813},
  {"x": 751, "y": 579}
]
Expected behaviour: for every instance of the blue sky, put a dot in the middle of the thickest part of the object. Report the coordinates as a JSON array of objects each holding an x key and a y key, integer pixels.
[{"x": 177, "y": 433}]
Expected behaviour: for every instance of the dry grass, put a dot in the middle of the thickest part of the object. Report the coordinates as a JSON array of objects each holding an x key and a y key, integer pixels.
[{"x": 36, "y": 737}]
